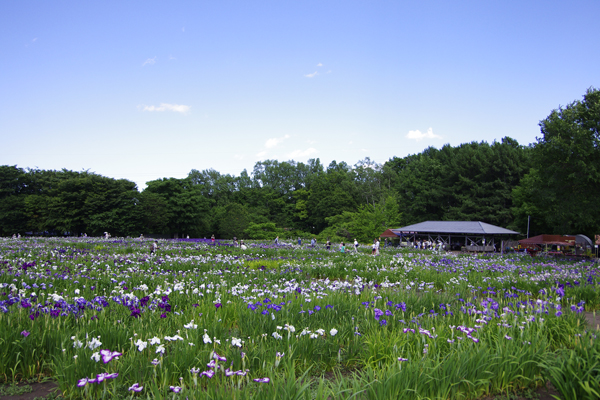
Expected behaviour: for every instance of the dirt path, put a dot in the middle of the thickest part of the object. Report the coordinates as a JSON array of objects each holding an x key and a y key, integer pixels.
[
  {"x": 593, "y": 319},
  {"x": 34, "y": 390}
]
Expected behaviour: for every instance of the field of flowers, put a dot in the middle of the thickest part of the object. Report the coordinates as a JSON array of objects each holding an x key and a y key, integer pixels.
[{"x": 106, "y": 319}]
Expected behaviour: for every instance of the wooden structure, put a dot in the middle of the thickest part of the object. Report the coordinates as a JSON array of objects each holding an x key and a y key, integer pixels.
[{"x": 456, "y": 235}]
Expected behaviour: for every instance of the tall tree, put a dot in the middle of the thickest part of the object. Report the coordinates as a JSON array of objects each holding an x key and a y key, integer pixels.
[
  {"x": 186, "y": 207},
  {"x": 566, "y": 162},
  {"x": 13, "y": 187}
]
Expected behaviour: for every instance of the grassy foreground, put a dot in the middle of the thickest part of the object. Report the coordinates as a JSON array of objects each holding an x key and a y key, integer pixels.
[{"x": 106, "y": 319}]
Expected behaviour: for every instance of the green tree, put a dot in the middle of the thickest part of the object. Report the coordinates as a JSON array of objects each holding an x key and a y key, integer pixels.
[
  {"x": 367, "y": 223},
  {"x": 234, "y": 221},
  {"x": 264, "y": 231},
  {"x": 186, "y": 207},
  {"x": 564, "y": 186},
  {"x": 13, "y": 188}
]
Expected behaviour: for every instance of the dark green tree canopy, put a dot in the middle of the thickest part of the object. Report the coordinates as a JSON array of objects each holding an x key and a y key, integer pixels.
[{"x": 561, "y": 191}]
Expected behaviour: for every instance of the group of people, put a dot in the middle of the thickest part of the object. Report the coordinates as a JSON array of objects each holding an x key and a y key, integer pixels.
[
  {"x": 313, "y": 242},
  {"x": 428, "y": 245},
  {"x": 239, "y": 244},
  {"x": 342, "y": 246}
]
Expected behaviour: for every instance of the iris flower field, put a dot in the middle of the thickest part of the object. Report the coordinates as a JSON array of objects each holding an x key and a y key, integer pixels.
[{"x": 200, "y": 320}]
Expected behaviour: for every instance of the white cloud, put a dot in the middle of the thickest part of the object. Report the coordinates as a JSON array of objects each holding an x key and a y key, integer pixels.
[
  {"x": 183, "y": 29},
  {"x": 261, "y": 154},
  {"x": 172, "y": 58},
  {"x": 302, "y": 153},
  {"x": 269, "y": 144},
  {"x": 319, "y": 65},
  {"x": 312, "y": 75},
  {"x": 33, "y": 40},
  {"x": 149, "y": 61},
  {"x": 418, "y": 135},
  {"x": 180, "y": 108}
]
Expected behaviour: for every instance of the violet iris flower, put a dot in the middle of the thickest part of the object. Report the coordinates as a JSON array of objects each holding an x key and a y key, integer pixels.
[
  {"x": 108, "y": 355},
  {"x": 136, "y": 387}
]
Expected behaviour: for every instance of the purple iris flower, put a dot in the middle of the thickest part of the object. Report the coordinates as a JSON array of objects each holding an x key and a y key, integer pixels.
[
  {"x": 262, "y": 380},
  {"x": 135, "y": 313},
  {"x": 82, "y": 382},
  {"x": 108, "y": 355},
  {"x": 209, "y": 374},
  {"x": 136, "y": 387}
]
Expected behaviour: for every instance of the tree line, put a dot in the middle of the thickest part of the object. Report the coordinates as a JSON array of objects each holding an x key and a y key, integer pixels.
[{"x": 555, "y": 182}]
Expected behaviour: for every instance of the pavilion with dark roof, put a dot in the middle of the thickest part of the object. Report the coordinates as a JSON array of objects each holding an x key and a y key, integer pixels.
[{"x": 467, "y": 235}]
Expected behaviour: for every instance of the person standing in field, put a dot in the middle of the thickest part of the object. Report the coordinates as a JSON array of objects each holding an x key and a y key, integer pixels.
[
  {"x": 328, "y": 244},
  {"x": 299, "y": 242},
  {"x": 276, "y": 240},
  {"x": 154, "y": 247},
  {"x": 212, "y": 238},
  {"x": 342, "y": 248},
  {"x": 355, "y": 246},
  {"x": 376, "y": 246}
]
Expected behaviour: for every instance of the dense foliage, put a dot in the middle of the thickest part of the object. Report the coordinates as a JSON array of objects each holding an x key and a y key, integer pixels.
[
  {"x": 207, "y": 320},
  {"x": 555, "y": 181}
]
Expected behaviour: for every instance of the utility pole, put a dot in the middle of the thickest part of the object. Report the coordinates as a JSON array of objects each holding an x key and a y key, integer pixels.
[{"x": 528, "y": 219}]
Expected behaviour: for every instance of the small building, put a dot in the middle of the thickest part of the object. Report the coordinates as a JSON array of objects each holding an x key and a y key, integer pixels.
[
  {"x": 457, "y": 235},
  {"x": 558, "y": 244}
]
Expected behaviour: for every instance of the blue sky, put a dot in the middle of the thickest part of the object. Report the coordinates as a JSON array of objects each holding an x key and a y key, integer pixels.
[{"x": 149, "y": 89}]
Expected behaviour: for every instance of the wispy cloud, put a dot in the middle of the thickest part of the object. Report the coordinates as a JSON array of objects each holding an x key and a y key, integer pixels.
[
  {"x": 261, "y": 154},
  {"x": 180, "y": 108},
  {"x": 270, "y": 143},
  {"x": 312, "y": 75},
  {"x": 319, "y": 65},
  {"x": 32, "y": 42},
  {"x": 418, "y": 135},
  {"x": 172, "y": 58},
  {"x": 302, "y": 153},
  {"x": 183, "y": 29},
  {"x": 150, "y": 61}
]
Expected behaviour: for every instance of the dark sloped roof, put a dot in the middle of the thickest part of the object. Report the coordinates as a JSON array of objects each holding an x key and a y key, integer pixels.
[{"x": 457, "y": 227}]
